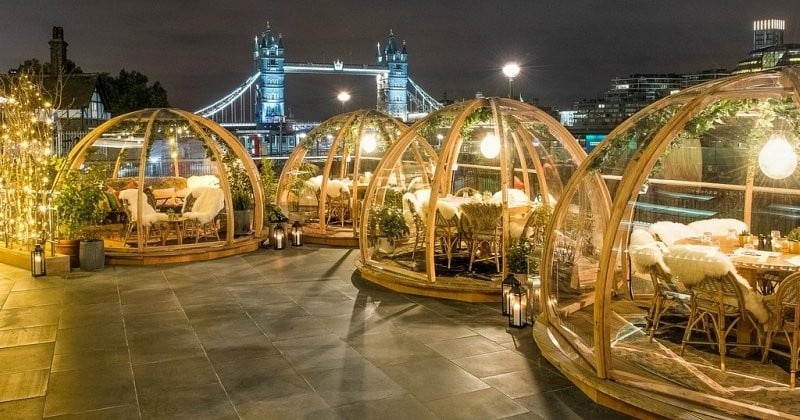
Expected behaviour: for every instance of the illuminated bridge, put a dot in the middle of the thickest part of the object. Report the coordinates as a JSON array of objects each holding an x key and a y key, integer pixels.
[{"x": 259, "y": 101}]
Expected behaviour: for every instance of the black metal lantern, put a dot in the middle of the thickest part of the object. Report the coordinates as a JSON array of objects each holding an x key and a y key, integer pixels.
[
  {"x": 278, "y": 237},
  {"x": 297, "y": 234},
  {"x": 38, "y": 265},
  {"x": 507, "y": 284},
  {"x": 518, "y": 306}
]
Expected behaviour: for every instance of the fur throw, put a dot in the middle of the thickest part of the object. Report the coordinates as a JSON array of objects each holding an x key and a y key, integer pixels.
[
  {"x": 671, "y": 232},
  {"x": 645, "y": 251},
  {"x": 718, "y": 227},
  {"x": 691, "y": 264}
]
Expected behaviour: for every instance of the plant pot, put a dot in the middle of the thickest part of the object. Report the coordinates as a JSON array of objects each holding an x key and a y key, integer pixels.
[
  {"x": 92, "y": 255},
  {"x": 242, "y": 221},
  {"x": 71, "y": 248},
  {"x": 794, "y": 247},
  {"x": 385, "y": 245},
  {"x": 744, "y": 240}
]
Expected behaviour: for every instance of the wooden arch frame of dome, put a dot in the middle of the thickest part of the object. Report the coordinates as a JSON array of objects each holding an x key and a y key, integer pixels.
[
  {"x": 506, "y": 119},
  {"x": 587, "y": 353},
  {"x": 347, "y": 130},
  {"x": 212, "y": 136}
]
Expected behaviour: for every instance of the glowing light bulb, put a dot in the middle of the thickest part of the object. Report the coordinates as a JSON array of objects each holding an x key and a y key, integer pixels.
[
  {"x": 368, "y": 143},
  {"x": 777, "y": 158},
  {"x": 490, "y": 146}
]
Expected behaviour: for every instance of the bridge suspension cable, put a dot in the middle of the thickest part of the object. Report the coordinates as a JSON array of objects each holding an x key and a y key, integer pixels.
[
  {"x": 422, "y": 101},
  {"x": 219, "y": 105}
]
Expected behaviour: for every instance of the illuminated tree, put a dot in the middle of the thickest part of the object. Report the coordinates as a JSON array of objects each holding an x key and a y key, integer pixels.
[{"x": 26, "y": 161}]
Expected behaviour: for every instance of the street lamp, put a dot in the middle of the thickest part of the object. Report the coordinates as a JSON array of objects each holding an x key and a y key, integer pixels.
[
  {"x": 511, "y": 70},
  {"x": 343, "y": 97}
]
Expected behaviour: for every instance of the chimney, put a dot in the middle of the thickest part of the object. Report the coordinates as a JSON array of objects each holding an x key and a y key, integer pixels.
[{"x": 58, "y": 51}]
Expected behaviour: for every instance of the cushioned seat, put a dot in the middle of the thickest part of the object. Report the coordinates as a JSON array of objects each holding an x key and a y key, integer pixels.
[
  {"x": 149, "y": 217},
  {"x": 206, "y": 205}
]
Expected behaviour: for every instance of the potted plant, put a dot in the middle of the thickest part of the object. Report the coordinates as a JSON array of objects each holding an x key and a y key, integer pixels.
[
  {"x": 793, "y": 238},
  {"x": 517, "y": 259},
  {"x": 81, "y": 207},
  {"x": 744, "y": 238},
  {"x": 387, "y": 224},
  {"x": 241, "y": 194}
]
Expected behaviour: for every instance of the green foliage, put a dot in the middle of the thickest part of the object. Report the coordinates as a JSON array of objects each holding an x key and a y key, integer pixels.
[
  {"x": 517, "y": 256},
  {"x": 269, "y": 182},
  {"x": 80, "y": 203},
  {"x": 393, "y": 199},
  {"x": 241, "y": 189},
  {"x": 793, "y": 235},
  {"x": 129, "y": 91},
  {"x": 387, "y": 221},
  {"x": 276, "y": 215}
]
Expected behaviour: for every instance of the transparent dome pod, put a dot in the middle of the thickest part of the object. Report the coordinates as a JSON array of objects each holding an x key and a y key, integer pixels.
[
  {"x": 672, "y": 253},
  {"x": 440, "y": 224},
  {"x": 324, "y": 179},
  {"x": 176, "y": 184}
]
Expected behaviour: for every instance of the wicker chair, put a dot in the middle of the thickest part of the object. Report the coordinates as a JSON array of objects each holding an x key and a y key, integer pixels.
[
  {"x": 448, "y": 233},
  {"x": 784, "y": 321},
  {"x": 666, "y": 293},
  {"x": 202, "y": 219},
  {"x": 150, "y": 218},
  {"x": 717, "y": 303},
  {"x": 481, "y": 229},
  {"x": 413, "y": 219}
]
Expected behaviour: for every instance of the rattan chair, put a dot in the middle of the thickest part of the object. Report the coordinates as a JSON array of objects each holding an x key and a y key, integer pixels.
[
  {"x": 447, "y": 232},
  {"x": 784, "y": 321},
  {"x": 718, "y": 307},
  {"x": 481, "y": 229},
  {"x": 150, "y": 219},
  {"x": 666, "y": 294}
]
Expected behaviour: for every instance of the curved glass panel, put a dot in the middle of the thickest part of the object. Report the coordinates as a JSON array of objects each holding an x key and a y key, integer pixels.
[
  {"x": 325, "y": 178},
  {"x": 695, "y": 256},
  {"x": 172, "y": 181}
]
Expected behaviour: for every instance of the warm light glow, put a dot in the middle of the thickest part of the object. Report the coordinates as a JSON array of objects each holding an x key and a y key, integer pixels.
[
  {"x": 777, "y": 158},
  {"x": 511, "y": 70},
  {"x": 368, "y": 143},
  {"x": 343, "y": 97},
  {"x": 490, "y": 146}
]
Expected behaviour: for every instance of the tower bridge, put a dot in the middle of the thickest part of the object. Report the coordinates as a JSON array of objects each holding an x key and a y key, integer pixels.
[{"x": 259, "y": 102}]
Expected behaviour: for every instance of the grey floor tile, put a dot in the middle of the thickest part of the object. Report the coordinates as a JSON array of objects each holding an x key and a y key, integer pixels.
[
  {"x": 483, "y": 404},
  {"x": 21, "y": 385},
  {"x": 195, "y": 402},
  {"x": 490, "y": 364},
  {"x": 26, "y": 409},
  {"x": 154, "y": 377},
  {"x": 29, "y": 357},
  {"x": 121, "y": 412},
  {"x": 99, "y": 359},
  {"x": 103, "y": 337},
  {"x": 465, "y": 346},
  {"x": 289, "y": 328},
  {"x": 399, "y": 407},
  {"x": 352, "y": 384},
  {"x": 433, "y": 378},
  {"x": 435, "y": 329},
  {"x": 92, "y": 314},
  {"x": 30, "y": 335},
  {"x": 526, "y": 382},
  {"x": 319, "y": 353},
  {"x": 36, "y": 316},
  {"x": 76, "y": 391},
  {"x": 389, "y": 348},
  {"x": 300, "y": 406},
  {"x": 224, "y": 349},
  {"x": 166, "y": 344},
  {"x": 34, "y": 297}
]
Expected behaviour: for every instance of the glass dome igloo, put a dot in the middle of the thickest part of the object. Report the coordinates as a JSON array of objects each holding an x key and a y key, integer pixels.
[
  {"x": 441, "y": 224},
  {"x": 178, "y": 186},
  {"x": 324, "y": 179},
  {"x": 671, "y": 265}
]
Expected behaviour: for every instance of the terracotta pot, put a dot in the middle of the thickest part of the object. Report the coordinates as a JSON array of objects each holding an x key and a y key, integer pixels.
[{"x": 70, "y": 247}]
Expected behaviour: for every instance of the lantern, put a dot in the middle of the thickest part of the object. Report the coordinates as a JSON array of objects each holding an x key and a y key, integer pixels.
[
  {"x": 38, "y": 267},
  {"x": 535, "y": 285},
  {"x": 507, "y": 284},
  {"x": 518, "y": 306},
  {"x": 297, "y": 234},
  {"x": 278, "y": 237}
]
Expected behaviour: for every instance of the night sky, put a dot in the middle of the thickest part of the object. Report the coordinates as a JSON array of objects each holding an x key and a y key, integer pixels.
[{"x": 200, "y": 50}]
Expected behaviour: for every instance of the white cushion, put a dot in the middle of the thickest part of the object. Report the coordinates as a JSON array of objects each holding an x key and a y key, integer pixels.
[
  {"x": 195, "y": 181},
  {"x": 149, "y": 214},
  {"x": 447, "y": 208},
  {"x": 645, "y": 251},
  {"x": 208, "y": 204},
  {"x": 334, "y": 188}
]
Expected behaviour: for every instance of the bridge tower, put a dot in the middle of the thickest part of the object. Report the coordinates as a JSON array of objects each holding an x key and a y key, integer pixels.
[
  {"x": 392, "y": 88},
  {"x": 268, "y": 54}
]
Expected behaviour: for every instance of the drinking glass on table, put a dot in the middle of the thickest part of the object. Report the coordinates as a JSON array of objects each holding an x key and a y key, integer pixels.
[
  {"x": 706, "y": 238},
  {"x": 776, "y": 240}
]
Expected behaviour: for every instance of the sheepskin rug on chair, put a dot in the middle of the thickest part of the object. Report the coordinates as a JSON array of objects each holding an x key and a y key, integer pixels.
[{"x": 691, "y": 264}]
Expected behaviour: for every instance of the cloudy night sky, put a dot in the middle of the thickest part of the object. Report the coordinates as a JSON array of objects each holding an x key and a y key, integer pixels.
[{"x": 201, "y": 50}]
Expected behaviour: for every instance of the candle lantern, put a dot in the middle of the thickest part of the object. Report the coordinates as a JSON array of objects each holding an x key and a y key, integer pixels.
[
  {"x": 518, "y": 306},
  {"x": 535, "y": 293},
  {"x": 278, "y": 237},
  {"x": 507, "y": 284},
  {"x": 297, "y": 234},
  {"x": 38, "y": 266}
]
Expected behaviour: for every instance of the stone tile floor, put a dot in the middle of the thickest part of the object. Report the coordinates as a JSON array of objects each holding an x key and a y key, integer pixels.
[{"x": 271, "y": 334}]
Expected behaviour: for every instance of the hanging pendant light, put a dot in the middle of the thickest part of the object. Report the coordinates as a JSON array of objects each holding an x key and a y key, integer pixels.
[
  {"x": 777, "y": 158},
  {"x": 490, "y": 146},
  {"x": 368, "y": 143}
]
